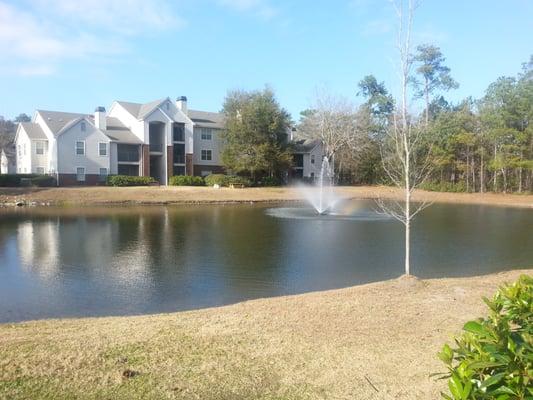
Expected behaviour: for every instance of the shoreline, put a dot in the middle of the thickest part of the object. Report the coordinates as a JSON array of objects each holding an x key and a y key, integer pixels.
[
  {"x": 324, "y": 344},
  {"x": 138, "y": 196}
]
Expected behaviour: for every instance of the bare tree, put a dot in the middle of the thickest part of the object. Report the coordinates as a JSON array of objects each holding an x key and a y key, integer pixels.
[
  {"x": 333, "y": 120},
  {"x": 404, "y": 154}
]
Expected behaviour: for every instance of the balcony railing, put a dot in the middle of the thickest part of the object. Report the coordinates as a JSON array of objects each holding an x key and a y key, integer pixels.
[
  {"x": 128, "y": 156},
  {"x": 179, "y": 159},
  {"x": 156, "y": 147}
]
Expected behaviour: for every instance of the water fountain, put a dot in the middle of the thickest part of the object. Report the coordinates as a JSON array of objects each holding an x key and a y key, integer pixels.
[
  {"x": 321, "y": 195},
  {"x": 326, "y": 204}
]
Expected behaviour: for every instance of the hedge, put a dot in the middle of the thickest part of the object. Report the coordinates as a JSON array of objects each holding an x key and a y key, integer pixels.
[
  {"x": 216, "y": 179},
  {"x": 226, "y": 180},
  {"x": 126, "y": 180},
  {"x": 14, "y": 180},
  {"x": 186, "y": 180}
]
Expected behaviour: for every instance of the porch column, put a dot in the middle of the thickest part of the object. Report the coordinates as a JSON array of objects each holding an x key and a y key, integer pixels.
[
  {"x": 145, "y": 161},
  {"x": 170, "y": 161}
]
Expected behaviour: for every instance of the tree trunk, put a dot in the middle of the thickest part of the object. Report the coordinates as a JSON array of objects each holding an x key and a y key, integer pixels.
[
  {"x": 407, "y": 232},
  {"x": 482, "y": 174},
  {"x": 473, "y": 169},
  {"x": 467, "y": 171},
  {"x": 426, "y": 94},
  {"x": 495, "y": 187}
]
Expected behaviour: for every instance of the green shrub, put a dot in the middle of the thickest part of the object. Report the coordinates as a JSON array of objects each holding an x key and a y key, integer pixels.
[
  {"x": 458, "y": 187},
  {"x": 493, "y": 357},
  {"x": 126, "y": 180},
  {"x": 216, "y": 179},
  {"x": 270, "y": 181},
  {"x": 15, "y": 180},
  {"x": 185, "y": 180},
  {"x": 237, "y": 180},
  {"x": 43, "y": 181}
]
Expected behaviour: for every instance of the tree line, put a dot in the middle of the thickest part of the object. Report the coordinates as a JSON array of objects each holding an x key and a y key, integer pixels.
[{"x": 476, "y": 145}]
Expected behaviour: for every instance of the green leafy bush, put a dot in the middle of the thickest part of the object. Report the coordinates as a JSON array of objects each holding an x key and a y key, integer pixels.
[
  {"x": 14, "y": 180},
  {"x": 444, "y": 187},
  {"x": 216, "y": 179},
  {"x": 237, "y": 180},
  {"x": 43, "y": 181},
  {"x": 186, "y": 180},
  {"x": 270, "y": 181},
  {"x": 126, "y": 180},
  {"x": 493, "y": 357}
]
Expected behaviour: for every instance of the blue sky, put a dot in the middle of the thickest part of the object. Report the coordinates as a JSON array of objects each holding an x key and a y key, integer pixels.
[{"x": 74, "y": 55}]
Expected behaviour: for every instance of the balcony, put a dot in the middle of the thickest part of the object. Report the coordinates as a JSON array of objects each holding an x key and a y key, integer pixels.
[
  {"x": 179, "y": 159},
  {"x": 128, "y": 153},
  {"x": 156, "y": 147}
]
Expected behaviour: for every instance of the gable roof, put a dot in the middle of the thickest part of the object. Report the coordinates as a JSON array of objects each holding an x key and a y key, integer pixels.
[
  {"x": 305, "y": 145},
  {"x": 33, "y": 130},
  {"x": 118, "y": 132},
  {"x": 57, "y": 120},
  {"x": 140, "y": 110},
  {"x": 207, "y": 119}
]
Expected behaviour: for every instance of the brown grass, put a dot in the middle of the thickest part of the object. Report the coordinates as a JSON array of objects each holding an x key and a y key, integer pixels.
[
  {"x": 171, "y": 195},
  {"x": 375, "y": 341}
]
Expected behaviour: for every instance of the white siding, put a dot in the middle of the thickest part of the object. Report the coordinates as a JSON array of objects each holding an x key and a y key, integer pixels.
[
  {"x": 39, "y": 160},
  {"x": 215, "y": 144},
  {"x": 92, "y": 162},
  {"x": 23, "y": 147},
  {"x": 313, "y": 168}
]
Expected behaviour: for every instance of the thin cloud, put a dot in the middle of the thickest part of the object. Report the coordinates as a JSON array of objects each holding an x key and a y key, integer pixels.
[{"x": 38, "y": 36}]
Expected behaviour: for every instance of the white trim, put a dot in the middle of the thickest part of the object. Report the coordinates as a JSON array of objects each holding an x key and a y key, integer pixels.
[
  {"x": 106, "y": 149},
  {"x": 37, "y": 142},
  {"x": 210, "y": 153},
  {"x": 84, "y": 174},
  {"x": 76, "y": 147}
]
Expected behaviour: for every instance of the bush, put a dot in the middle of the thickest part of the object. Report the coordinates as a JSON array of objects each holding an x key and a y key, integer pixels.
[
  {"x": 494, "y": 356},
  {"x": 126, "y": 180},
  {"x": 216, "y": 179},
  {"x": 458, "y": 187},
  {"x": 43, "y": 181},
  {"x": 185, "y": 180},
  {"x": 14, "y": 180},
  {"x": 237, "y": 180},
  {"x": 270, "y": 181}
]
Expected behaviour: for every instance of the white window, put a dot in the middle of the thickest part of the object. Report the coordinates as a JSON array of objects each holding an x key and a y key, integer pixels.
[
  {"x": 39, "y": 147},
  {"x": 207, "y": 155},
  {"x": 103, "y": 174},
  {"x": 206, "y": 134},
  {"x": 80, "y": 148},
  {"x": 83, "y": 127},
  {"x": 312, "y": 158},
  {"x": 24, "y": 148},
  {"x": 20, "y": 151},
  {"x": 102, "y": 149},
  {"x": 39, "y": 170},
  {"x": 80, "y": 174}
]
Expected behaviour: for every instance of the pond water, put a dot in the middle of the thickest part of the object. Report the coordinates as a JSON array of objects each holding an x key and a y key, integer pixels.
[{"x": 122, "y": 261}]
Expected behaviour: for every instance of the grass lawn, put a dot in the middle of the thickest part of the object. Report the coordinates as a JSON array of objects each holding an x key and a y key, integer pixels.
[
  {"x": 188, "y": 194},
  {"x": 375, "y": 341}
]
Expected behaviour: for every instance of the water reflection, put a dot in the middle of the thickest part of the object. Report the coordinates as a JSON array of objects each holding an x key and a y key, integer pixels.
[{"x": 115, "y": 261}]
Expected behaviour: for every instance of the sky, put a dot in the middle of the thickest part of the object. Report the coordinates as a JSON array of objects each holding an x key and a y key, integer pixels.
[{"x": 75, "y": 55}]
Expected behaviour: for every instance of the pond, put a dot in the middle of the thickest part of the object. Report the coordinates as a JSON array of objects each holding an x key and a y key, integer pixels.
[{"x": 121, "y": 261}]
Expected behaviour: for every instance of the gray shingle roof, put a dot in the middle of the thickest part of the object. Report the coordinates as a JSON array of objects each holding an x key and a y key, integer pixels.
[
  {"x": 118, "y": 132},
  {"x": 207, "y": 119},
  {"x": 56, "y": 120},
  {"x": 33, "y": 130},
  {"x": 305, "y": 145},
  {"x": 139, "y": 110}
]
